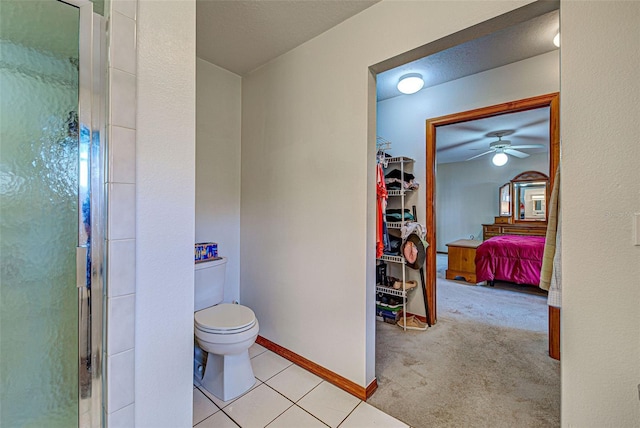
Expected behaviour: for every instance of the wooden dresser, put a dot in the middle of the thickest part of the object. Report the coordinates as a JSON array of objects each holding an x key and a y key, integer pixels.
[
  {"x": 462, "y": 260},
  {"x": 531, "y": 229}
]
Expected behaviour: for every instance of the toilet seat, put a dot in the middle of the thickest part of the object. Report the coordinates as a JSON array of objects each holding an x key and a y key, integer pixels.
[{"x": 225, "y": 318}]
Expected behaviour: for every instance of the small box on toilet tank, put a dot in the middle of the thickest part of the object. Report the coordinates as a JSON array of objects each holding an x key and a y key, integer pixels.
[{"x": 205, "y": 251}]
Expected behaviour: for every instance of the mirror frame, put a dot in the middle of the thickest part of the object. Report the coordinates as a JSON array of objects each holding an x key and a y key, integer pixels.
[
  {"x": 529, "y": 177},
  {"x": 504, "y": 195}
]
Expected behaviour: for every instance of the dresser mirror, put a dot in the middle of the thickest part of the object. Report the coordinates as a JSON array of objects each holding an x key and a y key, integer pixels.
[
  {"x": 504, "y": 196},
  {"x": 530, "y": 195}
]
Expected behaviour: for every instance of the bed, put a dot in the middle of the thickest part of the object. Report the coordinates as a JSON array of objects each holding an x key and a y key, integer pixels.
[{"x": 512, "y": 258}]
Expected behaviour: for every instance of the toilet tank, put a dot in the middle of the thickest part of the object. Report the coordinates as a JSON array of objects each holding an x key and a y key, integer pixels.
[{"x": 209, "y": 283}]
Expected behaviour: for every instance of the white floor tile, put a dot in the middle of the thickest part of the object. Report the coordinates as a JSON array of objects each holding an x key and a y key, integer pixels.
[
  {"x": 222, "y": 404},
  {"x": 202, "y": 407},
  {"x": 329, "y": 403},
  {"x": 256, "y": 350},
  {"x": 367, "y": 416},
  {"x": 294, "y": 382},
  {"x": 295, "y": 417},
  {"x": 258, "y": 407},
  {"x": 268, "y": 364},
  {"x": 217, "y": 420}
]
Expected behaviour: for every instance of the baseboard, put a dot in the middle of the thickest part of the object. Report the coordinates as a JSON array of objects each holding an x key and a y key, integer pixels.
[{"x": 326, "y": 374}]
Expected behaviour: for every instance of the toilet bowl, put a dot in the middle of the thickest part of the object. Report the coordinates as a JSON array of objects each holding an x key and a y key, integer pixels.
[{"x": 225, "y": 332}]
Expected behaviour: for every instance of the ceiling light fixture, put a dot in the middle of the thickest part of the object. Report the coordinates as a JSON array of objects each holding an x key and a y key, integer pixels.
[
  {"x": 556, "y": 40},
  {"x": 500, "y": 159},
  {"x": 410, "y": 83}
]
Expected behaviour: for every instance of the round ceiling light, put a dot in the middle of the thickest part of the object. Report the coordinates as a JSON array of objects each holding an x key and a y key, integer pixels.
[
  {"x": 500, "y": 159},
  {"x": 410, "y": 83}
]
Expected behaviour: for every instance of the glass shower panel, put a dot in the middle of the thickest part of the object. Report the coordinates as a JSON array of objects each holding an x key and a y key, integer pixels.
[{"x": 38, "y": 213}]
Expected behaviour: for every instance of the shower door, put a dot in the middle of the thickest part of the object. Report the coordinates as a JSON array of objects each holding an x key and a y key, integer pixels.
[{"x": 49, "y": 149}]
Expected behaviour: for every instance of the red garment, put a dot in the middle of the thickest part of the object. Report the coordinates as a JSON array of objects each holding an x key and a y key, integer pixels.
[{"x": 381, "y": 193}]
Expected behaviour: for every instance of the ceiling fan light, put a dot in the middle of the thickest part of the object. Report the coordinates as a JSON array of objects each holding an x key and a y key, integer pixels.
[
  {"x": 410, "y": 83},
  {"x": 499, "y": 159}
]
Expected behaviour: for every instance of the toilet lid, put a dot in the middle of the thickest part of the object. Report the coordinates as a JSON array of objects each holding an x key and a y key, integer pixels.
[{"x": 225, "y": 317}]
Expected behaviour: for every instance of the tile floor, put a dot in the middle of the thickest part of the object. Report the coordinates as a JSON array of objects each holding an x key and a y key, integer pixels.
[{"x": 286, "y": 395}]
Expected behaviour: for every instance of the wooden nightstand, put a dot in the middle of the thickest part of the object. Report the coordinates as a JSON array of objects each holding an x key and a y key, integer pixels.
[{"x": 462, "y": 259}]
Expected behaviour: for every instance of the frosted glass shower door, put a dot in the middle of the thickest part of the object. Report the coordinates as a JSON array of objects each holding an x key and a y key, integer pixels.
[{"x": 39, "y": 214}]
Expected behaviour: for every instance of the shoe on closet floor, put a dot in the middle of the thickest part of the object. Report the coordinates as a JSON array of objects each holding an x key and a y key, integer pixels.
[{"x": 413, "y": 323}]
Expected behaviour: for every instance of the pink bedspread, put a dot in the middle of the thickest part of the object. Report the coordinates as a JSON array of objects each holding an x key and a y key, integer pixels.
[{"x": 510, "y": 258}]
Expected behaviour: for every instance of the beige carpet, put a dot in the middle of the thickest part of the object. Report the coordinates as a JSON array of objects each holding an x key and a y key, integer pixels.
[{"x": 484, "y": 364}]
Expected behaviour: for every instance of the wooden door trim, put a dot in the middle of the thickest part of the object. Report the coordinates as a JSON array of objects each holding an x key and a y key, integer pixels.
[{"x": 549, "y": 100}]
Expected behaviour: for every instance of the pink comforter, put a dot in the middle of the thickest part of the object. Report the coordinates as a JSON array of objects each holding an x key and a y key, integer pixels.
[{"x": 510, "y": 258}]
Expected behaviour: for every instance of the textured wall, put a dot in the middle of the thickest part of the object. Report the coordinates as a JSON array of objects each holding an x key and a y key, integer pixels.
[
  {"x": 165, "y": 202},
  {"x": 218, "y": 118},
  {"x": 308, "y": 156},
  {"x": 600, "y": 345}
]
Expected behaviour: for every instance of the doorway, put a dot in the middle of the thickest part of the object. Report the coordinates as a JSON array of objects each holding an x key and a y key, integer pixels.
[
  {"x": 396, "y": 127},
  {"x": 552, "y": 102}
]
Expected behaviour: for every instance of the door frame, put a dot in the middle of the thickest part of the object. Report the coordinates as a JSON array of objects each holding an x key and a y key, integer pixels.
[{"x": 552, "y": 101}]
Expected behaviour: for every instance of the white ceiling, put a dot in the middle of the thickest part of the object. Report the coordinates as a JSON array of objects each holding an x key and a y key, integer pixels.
[
  {"x": 461, "y": 141},
  {"x": 512, "y": 44},
  {"x": 241, "y": 35}
]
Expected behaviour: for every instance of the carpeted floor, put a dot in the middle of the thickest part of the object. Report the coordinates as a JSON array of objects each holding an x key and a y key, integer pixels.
[{"x": 484, "y": 364}]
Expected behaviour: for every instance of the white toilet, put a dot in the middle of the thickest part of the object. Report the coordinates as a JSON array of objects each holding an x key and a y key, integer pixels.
[{"x": 225, "y": 331}]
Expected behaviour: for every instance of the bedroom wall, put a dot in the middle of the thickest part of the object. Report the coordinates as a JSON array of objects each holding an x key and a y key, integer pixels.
[
  {"x": 599, "y": 106},
  {"x": 402, "y": 119},
  {"x": 307, "y": 195},
  {"x": 218, "y": 116},
  {"x": 467, "y": 194}
]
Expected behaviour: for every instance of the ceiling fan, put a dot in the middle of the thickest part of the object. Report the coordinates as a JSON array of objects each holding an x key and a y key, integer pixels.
[{"x": 502, "y": 148}]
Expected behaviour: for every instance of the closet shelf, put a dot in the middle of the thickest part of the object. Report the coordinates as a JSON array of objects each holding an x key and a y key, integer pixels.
[
  {"x": 392, "y": 259},
  {"x": 398, "y": 192},
  {"x": 392, "y": 291},
  {"x": 399, "y": 159}
]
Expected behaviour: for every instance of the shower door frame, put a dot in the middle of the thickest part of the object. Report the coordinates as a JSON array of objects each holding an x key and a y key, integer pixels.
[{"x": 91, "y": 126}]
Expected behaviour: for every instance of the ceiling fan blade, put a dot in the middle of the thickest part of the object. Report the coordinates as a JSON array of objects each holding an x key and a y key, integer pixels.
[
  {"x": 516, "y": 153},
  {"x": 457, "y": 145},
  {"x": 529, "y": 146},
  {"x": 481, "y": 154}
]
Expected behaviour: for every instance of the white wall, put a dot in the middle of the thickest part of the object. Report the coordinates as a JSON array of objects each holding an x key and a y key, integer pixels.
[
  {"x": 165, "y": 213},
  {"x": 600, "y": 345},
  {"x": 218, "y": 118},
  {"x": 307, "y": 231},
  {"x": 467, "y": 194},
  {"x": 402, "y": 120}
]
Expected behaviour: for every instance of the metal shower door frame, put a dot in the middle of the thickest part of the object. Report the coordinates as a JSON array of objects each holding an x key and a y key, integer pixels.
[{"x": 90, "y": 254}]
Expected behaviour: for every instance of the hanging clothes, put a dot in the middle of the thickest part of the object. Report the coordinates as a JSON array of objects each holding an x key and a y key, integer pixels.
[
  {"x": 413, "y": 227},
  {"x": 381, "y": 193},
  {"x": 550, "y": 275}
]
